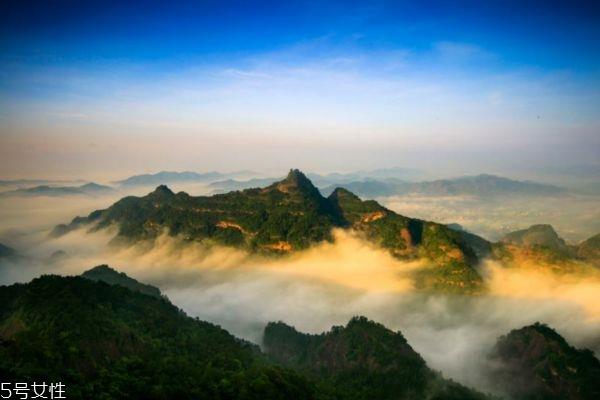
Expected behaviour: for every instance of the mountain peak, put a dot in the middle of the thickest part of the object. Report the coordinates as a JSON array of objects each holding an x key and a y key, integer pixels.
[
  {"x": 538, "y": 362},
  {"x": 163, "y": 190},
  {"x": 340, "y": 193},
  {"x": 295, "y": 181},
  {"x": 540, "y": 234},
  {"x": 111, "y": 276},
  {"x": 296, "y": 176}
]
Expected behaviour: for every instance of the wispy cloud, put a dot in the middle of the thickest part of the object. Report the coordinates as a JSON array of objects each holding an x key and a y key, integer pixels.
[{"x": 313, "y": 91}]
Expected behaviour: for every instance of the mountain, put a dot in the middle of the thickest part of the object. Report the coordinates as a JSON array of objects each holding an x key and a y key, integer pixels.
[
  {"x": 363, "y": 360},
  {"x": 89, "y": 189},
  {"x": 590, "y": 249},
  {"x": 535, "y": 362},
  {"x": 94, "y": 188},
  {"x": 371, "y": 188},
  {"x": 485, "y": 185},
  {"x": 25, "y": 183},
  {"x": 108, "y": 342},
  {"x": 536, "y": 235},
  {"x": 229, "y": 185},
  {"x": 480, "y": 185},
  {"x": 6, "y": 252},
  {"x": 541, "y": 246},
  {"x": 292, "y": 215},
  {"x": 167, "y": 177},
  {"x": 384, "y": 174},
  {"x": 108, "y": 275}
]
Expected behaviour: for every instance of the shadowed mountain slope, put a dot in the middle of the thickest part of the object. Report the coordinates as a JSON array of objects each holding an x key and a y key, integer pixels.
[
  {"x": 109, "y": 342},
  {"x": 363, "y": 360},
  {"x": 535, "y": 362},
  {"x": 108, "y": 275},
  {"x": 106, "y": 341},
  {"x": 590, "y": 249}
]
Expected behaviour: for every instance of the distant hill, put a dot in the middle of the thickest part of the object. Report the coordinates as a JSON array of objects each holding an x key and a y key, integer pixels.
[
  {"x": 363, "y": 360},
  {"x": 535, "y": 362},
  {"x": 479, "y": 185},
  {"x": 229, "y": 185},
  {"x": 108, "y": 275},
  {"x": 371, "y": 188},
  {"x": 292, "y": 215},
  {"x": 168, "y": 177},
  {"x": 383, "y": 174},
  {"x": 536, "y": 235},
  {"x": 485, "y": 185},
  {"x": 6, "y": 251},
  {"x": 88, "y": 189},
  {"x": 542, "y": 246},
  {"x": 24, "y": 183}
]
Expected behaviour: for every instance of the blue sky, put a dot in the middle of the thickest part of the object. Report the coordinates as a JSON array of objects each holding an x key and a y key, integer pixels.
[{"x": 456, "y": 86}]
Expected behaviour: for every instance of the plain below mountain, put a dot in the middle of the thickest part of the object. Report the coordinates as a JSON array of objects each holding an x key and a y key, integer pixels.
[{"x": 480, "y": 185}]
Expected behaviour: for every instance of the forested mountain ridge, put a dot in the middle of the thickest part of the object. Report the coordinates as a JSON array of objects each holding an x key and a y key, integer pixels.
[
  {"x": 535, "y": 362},
  {"x": 109, "y": 342},
  {"x": 106, "y": 274},
  {"x": 362, "y": 360},
  {"x": 292, "y": 215}
]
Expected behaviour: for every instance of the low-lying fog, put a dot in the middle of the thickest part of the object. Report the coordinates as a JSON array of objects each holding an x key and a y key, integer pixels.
[{"x": 312, "y": 290}]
